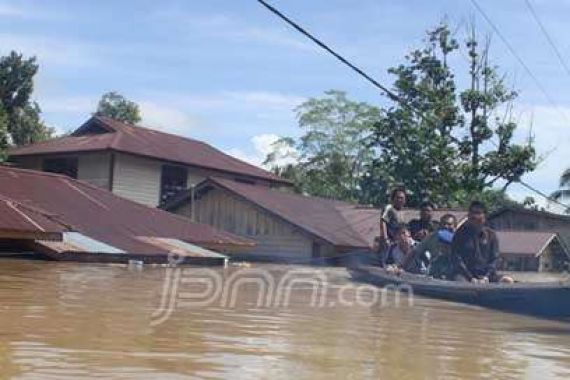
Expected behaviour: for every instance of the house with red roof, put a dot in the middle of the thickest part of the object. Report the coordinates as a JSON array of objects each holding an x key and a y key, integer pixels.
[
  {"x": 532, "y": 251},
  {"x": 137, "y": 163},
  {"x": 285, "y": 226},
  {"x": 57, "y": 217}
]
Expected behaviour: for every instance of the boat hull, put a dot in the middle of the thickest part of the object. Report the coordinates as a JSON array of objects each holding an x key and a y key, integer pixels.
[{"x": 550, "y": 300}]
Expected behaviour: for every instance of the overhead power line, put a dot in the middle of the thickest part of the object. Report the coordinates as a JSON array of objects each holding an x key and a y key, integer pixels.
[
  {"x": 392, "y": 95},
  {"x": 548, "y": 37},
  {"x": 519, "y": 59},
  {"x": 324, "y": 46}
]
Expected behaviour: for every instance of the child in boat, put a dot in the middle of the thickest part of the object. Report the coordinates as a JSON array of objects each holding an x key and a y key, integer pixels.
[
  {"x": 399, "y": 251},
  {"x": 434, "y": 252}
]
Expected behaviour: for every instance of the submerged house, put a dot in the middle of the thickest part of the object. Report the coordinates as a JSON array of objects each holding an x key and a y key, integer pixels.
[
  {"x": 524, "y": 219},
  {"x": 532, "y": 251},
  {"x": 285, "y": 226},
  {"x": 137, "y": 163},
  {"x": 61, "y": 218}
]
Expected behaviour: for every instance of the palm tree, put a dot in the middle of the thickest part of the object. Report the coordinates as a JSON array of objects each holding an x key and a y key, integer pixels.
[{"x": 563, "y": 193}]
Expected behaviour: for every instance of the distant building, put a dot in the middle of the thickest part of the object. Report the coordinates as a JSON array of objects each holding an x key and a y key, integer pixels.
[
  {"x": 64, "y": 219},
  {"x": 532, "y": 251},
  {"x": 523, "y": 219},
  {"x": 410, "y": 214},
  {"x": 285, "y": 226},
  {"x": 140, "y": 164}
]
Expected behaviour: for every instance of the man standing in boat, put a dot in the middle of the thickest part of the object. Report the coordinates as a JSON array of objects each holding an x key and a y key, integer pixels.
[
  {"x": 475, "y": 248},
  {"x": 392, "y": 218}
]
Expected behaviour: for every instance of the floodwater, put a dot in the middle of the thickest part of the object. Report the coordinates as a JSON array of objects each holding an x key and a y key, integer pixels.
[{"x": 82, "y": 321}]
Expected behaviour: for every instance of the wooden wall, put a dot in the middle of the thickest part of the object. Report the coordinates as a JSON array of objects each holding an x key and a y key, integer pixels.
[
  {"x": 94, "y": 168},
  {"x": 512, "y": 220},
  {"x": 274, "y": 237},
  {"x": 137, "y": 179}
]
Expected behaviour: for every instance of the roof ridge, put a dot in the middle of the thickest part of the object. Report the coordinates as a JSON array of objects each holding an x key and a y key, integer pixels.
[
  {"x": 353, "y": 225},
  {"x": 334, "y": 207}
]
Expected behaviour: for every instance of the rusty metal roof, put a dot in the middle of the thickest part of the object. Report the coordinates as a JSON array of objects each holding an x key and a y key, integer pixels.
[
  {"x": 20, "y": 222},
  {"x": 105, "y": 217},
  {"x": 525, "y": 242},
  {"x": 102, "y": 133},
  {"x": 340, "y": 223}
]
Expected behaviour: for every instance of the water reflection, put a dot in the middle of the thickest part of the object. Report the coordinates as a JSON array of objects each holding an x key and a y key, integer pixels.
[{"x": 82, "y": 321}]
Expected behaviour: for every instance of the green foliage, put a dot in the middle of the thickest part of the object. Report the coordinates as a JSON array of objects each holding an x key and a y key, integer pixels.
[
  {"x": 20, "y": 120},
  {"x": 441, "y": 142},
  {"x": 3, "y": 133},
  {"x": 330, "y": 154},
  {"x": 116, "y": 106},
  {"x": 444, "y": 143},
  {"x": 563, "y": 193}
]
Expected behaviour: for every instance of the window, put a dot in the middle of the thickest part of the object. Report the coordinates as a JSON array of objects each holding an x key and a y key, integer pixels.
[
  {"x": 174, "y": 179},
  {"x": 65, "y": 165},
  {"x": 316, "y": 250}
]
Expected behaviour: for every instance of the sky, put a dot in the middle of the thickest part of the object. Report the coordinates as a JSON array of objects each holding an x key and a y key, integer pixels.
[{"x": 230, "y": 73}]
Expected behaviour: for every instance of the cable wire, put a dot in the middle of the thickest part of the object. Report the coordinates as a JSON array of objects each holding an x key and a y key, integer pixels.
[
  {"x": 396, "y": 98},
  {"x": 519, "y": 59},
  {"x": 548, "y": 37}
]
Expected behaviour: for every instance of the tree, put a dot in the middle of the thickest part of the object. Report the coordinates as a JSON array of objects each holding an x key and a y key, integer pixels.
[
  {"x": 331, "y": 158},
  {"x": 563, "y": 193},
  {"x": 3, "y": 133},
  {"x": 20, "y": 120},
  {"x": 441, "y": 142},
  {"x": 116, "y": 106}
]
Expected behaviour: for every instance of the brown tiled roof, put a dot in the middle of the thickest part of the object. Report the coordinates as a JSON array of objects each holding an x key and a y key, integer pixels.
[
  {"x": 104, "y": 216},
  {"x": 341, "y": 224},
  {"x": 127, "y": 138},
  {"x": 524, "y": 242}
]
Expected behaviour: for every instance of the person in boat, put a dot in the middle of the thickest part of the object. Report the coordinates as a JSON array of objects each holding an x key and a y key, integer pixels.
[
  {"x": 475, "y": 248},
  {"x": 432, "y": 256},
  {"x": 422, "y": 227},
  {"x": 391, "y": 218},
  {"x": 397, "y": 255}
]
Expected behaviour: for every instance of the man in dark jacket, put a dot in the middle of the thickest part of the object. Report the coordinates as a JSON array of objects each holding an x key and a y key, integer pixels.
[{"x": 475, "y": 248}]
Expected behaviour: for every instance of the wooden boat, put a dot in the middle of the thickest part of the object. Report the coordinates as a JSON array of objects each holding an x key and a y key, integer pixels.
[{"x": 547, "y": 299}]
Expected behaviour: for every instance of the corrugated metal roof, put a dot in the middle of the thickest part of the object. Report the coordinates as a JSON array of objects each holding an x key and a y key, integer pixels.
[
  {"x": 527, "y": 211},
  {"x": 179, "y": 247},
  {"x": 105, "y": 217},
  {"x": 340, "y": 223},
  {"x": 126, "y": 138},
  {"x": 17, "y": 221},
  {"x": 524, "y": 242}
]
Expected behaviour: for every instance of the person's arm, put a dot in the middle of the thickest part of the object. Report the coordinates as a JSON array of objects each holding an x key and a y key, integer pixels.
[
  {"x": 418, "y": 251},
  {"x": 457, "y": 247},
  {"x": 493, "y": 254},
  {"x": 384, "y": 220}
]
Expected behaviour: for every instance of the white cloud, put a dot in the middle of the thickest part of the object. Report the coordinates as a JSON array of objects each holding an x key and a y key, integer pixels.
[
  {"x": 55, "y": 51},
  {"x": 73, "y": 105},
  {"x": 261, "y": 146},
  {"x": 29, "y": 12},
  {"x": 231, "y": 28},
  {"x": 551, "y": 129},
  {"x": 264, "y": 99},
  {"x": 166, "y": 118},
  {"x": 11, "y": 11}
]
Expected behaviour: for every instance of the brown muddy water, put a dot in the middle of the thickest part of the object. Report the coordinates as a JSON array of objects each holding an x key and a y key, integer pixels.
[{"x": 79, "y": 321}]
